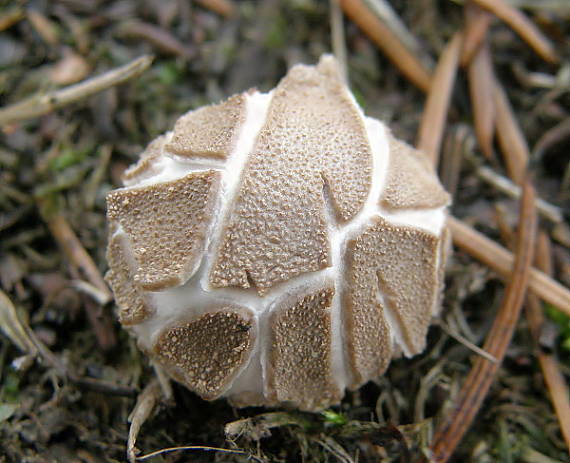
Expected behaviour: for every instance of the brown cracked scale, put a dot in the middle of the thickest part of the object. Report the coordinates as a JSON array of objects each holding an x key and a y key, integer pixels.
[{"x": 278, "y": 248}]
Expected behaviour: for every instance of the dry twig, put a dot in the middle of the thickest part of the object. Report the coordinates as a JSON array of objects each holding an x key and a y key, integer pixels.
[
  {"x": 159, "y": 37},
  {"x": 481, "y": 87},
  {"x": 44, "y": 104},
  {"x": 558, "y": 391},
  {"x": 437, "y": 105},
  {"x": 511, "y": 139},
  {"x": 337, "y": 35},
  {"x": 11, "y": 17},
  {"x": 477, "y": 21},
  {"x": 551, "y": 137},
  {"x": 383, "y": 36},
  {"x": 194, "y": 447},
  {"x": 522, "y": 26},
  {"x": 503, "y": 184},
  {"x": 553, "y": 377},
  {"x": 483, "y": 372},
  {"x": 460, "y": 139},
  {"x": 484, "y": 249},
  {"x": 81, "y": 260},
  {"x": 463, "y": 340},
  {"x": 500, "y": 260},
  {"x": 385, "y": 12},
  {"x": 516, "y": 153},
  {"x": 223, "y": 7},
  {"x": 146, "y": 402},
  {"x": 45, "y": 28},
  {"x": 76, "y": 253}
]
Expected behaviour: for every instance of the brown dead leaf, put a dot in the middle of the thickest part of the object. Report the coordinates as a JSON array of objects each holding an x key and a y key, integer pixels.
[{"x": 70, "y": 69}]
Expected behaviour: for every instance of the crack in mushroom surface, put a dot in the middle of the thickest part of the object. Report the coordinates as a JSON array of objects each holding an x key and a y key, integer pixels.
[{"x": 278, "y": 248}]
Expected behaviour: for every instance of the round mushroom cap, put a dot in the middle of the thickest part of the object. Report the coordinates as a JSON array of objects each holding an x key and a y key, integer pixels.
[{"x": 279, "y": 248}]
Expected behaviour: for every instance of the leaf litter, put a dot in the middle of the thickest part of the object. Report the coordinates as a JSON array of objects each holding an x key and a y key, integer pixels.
[{"x": 69, "y": 376}]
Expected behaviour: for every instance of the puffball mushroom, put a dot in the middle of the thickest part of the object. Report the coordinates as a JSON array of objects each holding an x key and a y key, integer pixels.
[{"x": 278, "y": 248}]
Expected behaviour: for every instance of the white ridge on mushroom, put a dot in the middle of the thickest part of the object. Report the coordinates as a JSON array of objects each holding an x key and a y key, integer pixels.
[{"x": 278, "y": 248}]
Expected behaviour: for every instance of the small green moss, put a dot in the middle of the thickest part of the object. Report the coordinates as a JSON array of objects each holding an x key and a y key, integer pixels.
[
  {"x": 168, "y": 73},
  {"x": 10, "y": 389},
  {"x": 332, "y": 417},
  {"x": 277, "y": 34},
  {"x": 68, "y": 157},
  {"x": 563, "y": 322}
]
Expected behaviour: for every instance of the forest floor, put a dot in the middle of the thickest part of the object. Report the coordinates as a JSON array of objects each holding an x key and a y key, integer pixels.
[{"x": 70, "y": 398}]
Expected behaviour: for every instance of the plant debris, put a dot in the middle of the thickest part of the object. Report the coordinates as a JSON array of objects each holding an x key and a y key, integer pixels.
[{"x": 80, "y": 97}]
